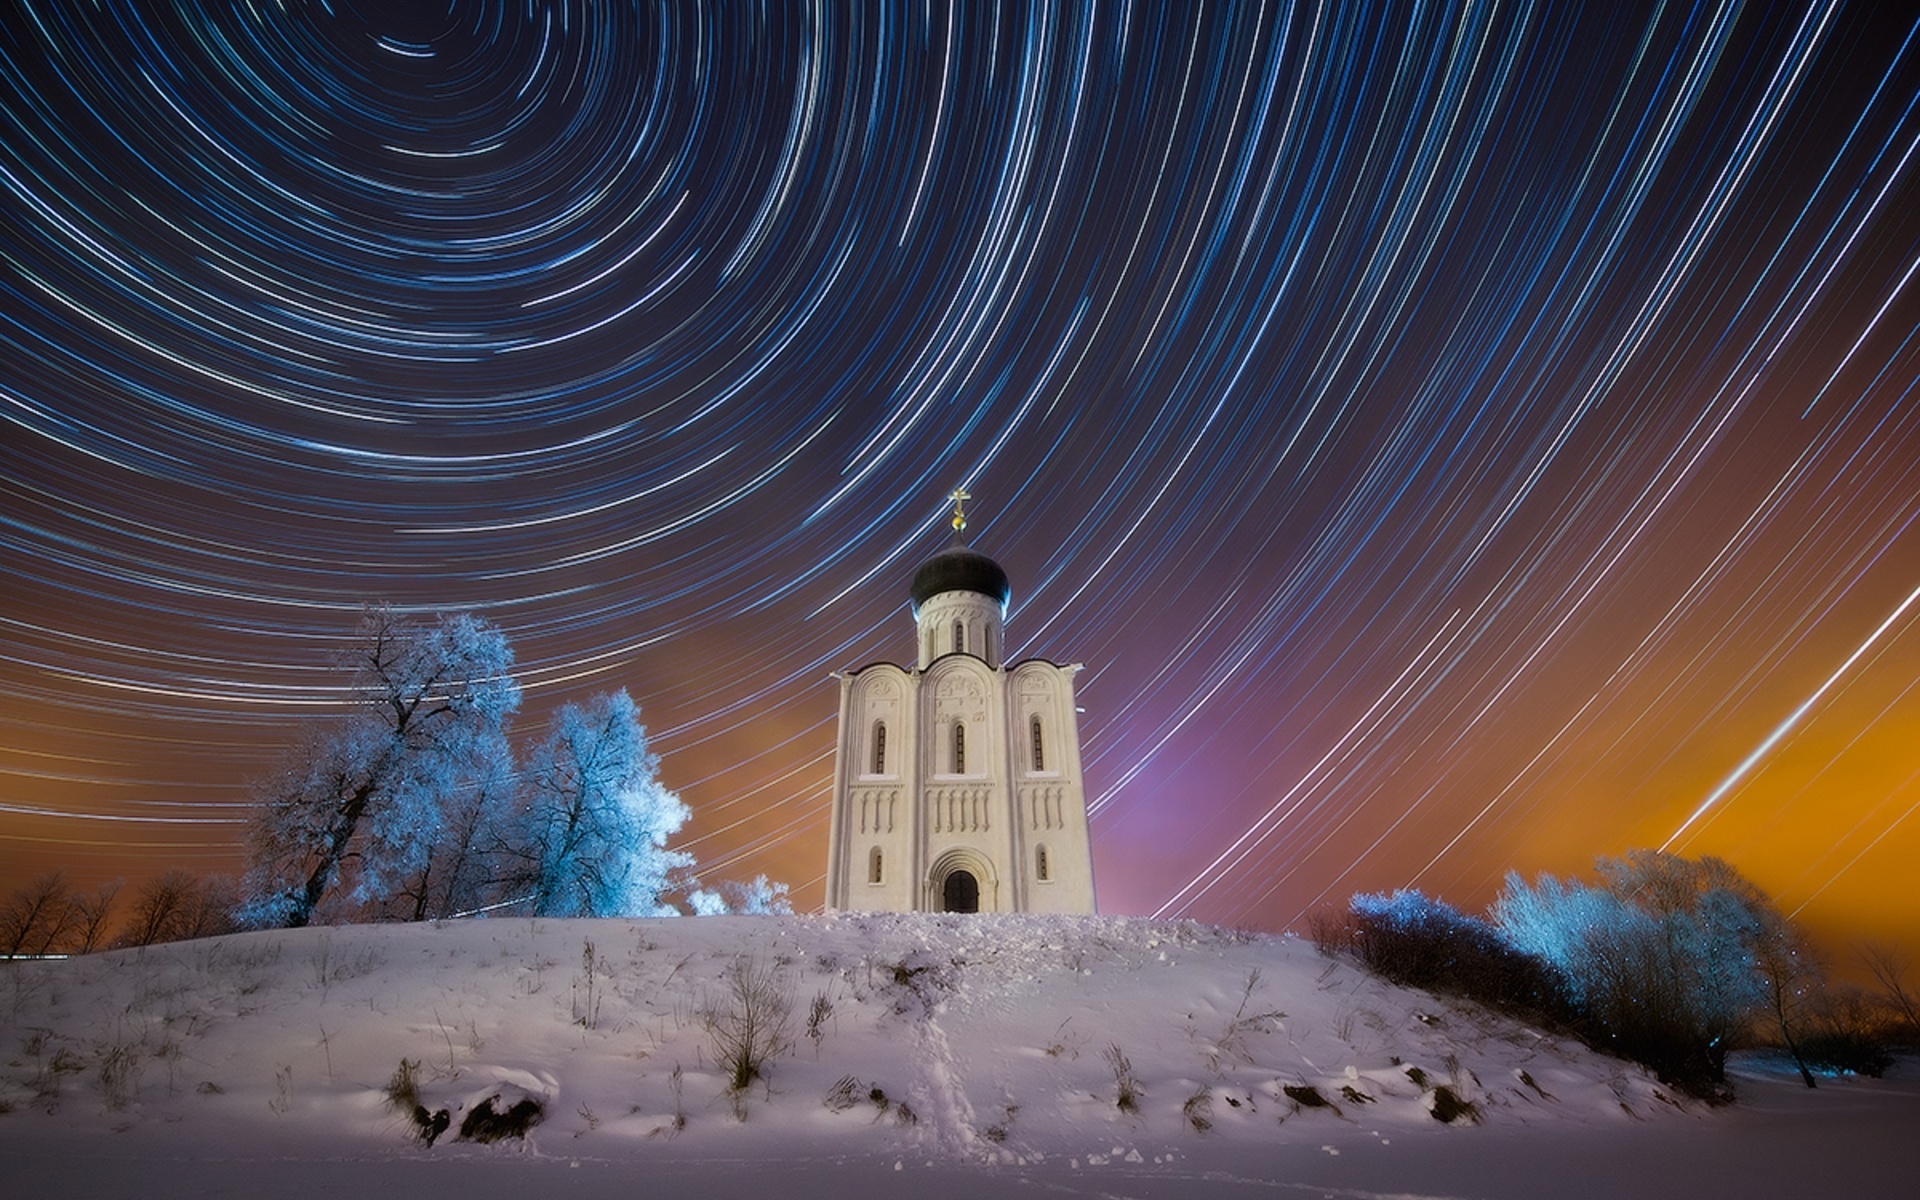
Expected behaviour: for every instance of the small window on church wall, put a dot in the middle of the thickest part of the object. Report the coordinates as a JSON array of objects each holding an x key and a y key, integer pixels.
[
  {"x": 959, "y": 747},
  {"x": 1042, "y": 869},
  {"x": 879, "y": 747},
  {"x": 959, "y": 637},
  {"x": 1039, "y": 746},
  {"x": 873, "y": 865}
]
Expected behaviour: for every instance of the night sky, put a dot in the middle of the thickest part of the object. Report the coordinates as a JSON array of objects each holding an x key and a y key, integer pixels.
[{"x": 1455, "y": 438}]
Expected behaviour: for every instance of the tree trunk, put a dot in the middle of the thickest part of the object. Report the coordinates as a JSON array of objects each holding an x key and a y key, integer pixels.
[{"x": 322, "y": 876}]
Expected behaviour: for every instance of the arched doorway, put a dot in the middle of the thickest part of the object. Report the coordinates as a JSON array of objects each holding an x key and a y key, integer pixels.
[
  {"x": 960, "y": 893},
  {"x": 961, "y": 880}
]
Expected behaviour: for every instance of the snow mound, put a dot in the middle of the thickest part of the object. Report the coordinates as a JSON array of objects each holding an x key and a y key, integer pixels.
[{"x": 998, "y": 1039}]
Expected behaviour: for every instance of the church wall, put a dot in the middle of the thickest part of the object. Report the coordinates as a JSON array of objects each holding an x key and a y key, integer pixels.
[
  {"x": 964, "y": 804},
  {"x": 872, "y": 773},
  {"x": 1050, "y": 812}
]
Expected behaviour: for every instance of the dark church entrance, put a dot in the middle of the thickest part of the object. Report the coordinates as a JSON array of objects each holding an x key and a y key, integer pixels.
[{"x": 961, "y": 892}]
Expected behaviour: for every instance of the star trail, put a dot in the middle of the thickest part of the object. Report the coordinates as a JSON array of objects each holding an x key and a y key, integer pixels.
[{"x": 1457, "y": 438}]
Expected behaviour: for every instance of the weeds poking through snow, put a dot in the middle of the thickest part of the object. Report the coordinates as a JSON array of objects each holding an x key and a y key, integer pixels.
[
  {"x": 326, "y": 1047},
  {"x": 999, "y": 1130},
  {"x": 1060, "y": 1043},
  {"x": 119, "y": 1074},
  {"x": 586, "y": 997},
  {"x": 903, "y": 1113},
  {"x": 283, "y": 1091},
  {"x": 403, "y": 1096},
  {"x": 818, "y": 1014},
  {"x": 1233, "y": 1039},
  {"x": 1126, "y": 1086},
  {"x": 841, "y": 1096},
  {"x": 679, "y": 1122},
  {"x": 748, "y": 1025},
  {"x": 1449, "y": 1106},
  {"x": 403, "y": 1089},
  {"x": 1198, "y": 1110},
  {"x": 48, "y": 1068},
  {"x": 321, "y": 959},
  {"x": 447, "y": 1036}
]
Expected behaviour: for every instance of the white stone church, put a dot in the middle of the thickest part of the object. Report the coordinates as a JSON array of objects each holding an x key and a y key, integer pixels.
[{"x": 957, "y": 785}]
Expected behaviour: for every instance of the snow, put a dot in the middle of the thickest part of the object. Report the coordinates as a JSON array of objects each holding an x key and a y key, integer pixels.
[{"x": 258, "y": 1064}]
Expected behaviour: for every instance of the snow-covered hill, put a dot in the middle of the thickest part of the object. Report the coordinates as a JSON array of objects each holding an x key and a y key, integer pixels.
[{"x": 927, "y": 1052}]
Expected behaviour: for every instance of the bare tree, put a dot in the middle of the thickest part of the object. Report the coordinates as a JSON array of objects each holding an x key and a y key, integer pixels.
[
  {"x": 1794, "y": 984},
  {"x": 1889, "y": 971},
  {"x": 160, "y": 907},
  {"x": 177, "y": 906},
  {"x": 91, "y": 913},
  {"x": 38, "y": 917}
]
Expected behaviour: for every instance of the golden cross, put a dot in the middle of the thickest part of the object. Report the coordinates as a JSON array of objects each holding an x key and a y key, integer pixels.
[{"x": 959, "y": 496}]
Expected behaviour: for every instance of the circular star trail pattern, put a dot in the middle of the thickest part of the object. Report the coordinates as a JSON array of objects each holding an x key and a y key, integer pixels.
[{"x": 1457, "y": 438}]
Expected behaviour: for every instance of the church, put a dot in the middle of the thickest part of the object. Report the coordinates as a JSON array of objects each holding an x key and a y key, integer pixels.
[{"x": 956, "y": 784}]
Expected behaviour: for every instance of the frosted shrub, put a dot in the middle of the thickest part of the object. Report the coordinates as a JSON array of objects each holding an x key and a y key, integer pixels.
[
  {"x": 1661, "y": 963},
  {"x": 1418, "y": 941}
]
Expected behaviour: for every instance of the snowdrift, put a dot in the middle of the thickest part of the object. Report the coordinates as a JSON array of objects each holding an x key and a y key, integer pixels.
[{"x": 1015, "y": 1044}]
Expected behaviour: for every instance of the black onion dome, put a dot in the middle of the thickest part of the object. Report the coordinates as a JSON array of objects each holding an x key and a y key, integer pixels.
[{"x": 958, "y": 569}]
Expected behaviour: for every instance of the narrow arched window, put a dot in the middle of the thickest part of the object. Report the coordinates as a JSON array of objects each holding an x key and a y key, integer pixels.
[
  {"x": 1042, "y": 869},
  {"x": 879, "y": 747},
  {"x": 873, "y": 865},
  {"x": 959, "y": 747},
  {"x": 1039, "y": 745},
  {"x": 988, "y": 650},
  {"x": 959, "y": 637}
]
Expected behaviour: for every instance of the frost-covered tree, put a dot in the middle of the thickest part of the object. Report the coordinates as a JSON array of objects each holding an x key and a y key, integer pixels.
[
  {"x": 593, "y": 827},
  {"x": 361, "y": 809},
  {"x": 471, "y": 865},
  {"x": 1669, "y": 958}
]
